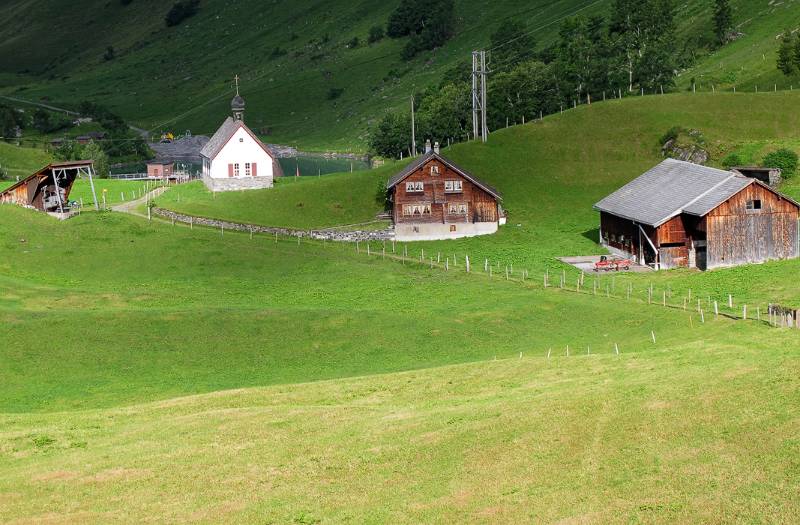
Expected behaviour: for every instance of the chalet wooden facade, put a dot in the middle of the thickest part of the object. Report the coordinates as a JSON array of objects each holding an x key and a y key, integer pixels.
[
  {"x": 435, "y": 199},
  {"x": 680, "y": 214},
  {"x": 48, "y": 189}
]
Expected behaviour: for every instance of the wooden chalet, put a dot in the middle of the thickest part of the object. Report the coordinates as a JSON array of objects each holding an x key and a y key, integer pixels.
[
  {"x": 48, "y": 189},
  {"x": 435, "y": 199},
  {"x": 680, "y": 214}
]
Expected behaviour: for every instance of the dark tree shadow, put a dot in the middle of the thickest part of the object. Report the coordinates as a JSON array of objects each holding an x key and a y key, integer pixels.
[{"x": 593, "y": 235}]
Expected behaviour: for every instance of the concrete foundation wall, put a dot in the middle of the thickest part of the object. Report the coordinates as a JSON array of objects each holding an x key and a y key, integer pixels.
[
  {"x": 438, "y": 231},
  {"x": 238, "y": 183}
]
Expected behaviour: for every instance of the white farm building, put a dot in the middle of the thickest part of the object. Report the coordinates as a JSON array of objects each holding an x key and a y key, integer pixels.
[{"x": 235, "y": 159}]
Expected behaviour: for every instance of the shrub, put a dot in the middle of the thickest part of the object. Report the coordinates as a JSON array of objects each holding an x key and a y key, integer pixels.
[
  {"x": 429, "y": 23},
  {"x": 3, "y": 173},
  {"x": 334, "y": 93},
  {"x": 277, "y": 53},
  {"x": 671, "y": 134},
  {"x": 375, "y": 34},
  {"x": 731, "y": 160},
  {"x": 785, "y": 159},
  {"x": 109, "y": 54},
  {"x": 354, "y": 42},
  {"x": 181, "y": 10}
]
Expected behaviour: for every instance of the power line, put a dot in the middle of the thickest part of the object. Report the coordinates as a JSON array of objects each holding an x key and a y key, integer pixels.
[{"x": 539, "y": 28}]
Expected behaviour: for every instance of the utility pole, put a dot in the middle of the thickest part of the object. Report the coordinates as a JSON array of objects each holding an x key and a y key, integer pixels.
[
  {"x": 413, "y": 130},
  {"x": 479, "y": 71}
]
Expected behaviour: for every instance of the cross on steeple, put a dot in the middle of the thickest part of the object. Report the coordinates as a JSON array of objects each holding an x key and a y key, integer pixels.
[{"x": 236, "y": 80}]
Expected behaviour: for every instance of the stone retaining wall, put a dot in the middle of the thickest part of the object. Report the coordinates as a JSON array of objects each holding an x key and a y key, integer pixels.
[
  {"x": 328, "y": 235},
  {"x": 238, "y": 183}
]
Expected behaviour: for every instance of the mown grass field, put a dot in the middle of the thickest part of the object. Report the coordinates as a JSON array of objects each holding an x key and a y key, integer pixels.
[
  {"x": 549, "y": 185},
  {"x": 697, "y": 432},
  {"x": 328, "y": 386}
]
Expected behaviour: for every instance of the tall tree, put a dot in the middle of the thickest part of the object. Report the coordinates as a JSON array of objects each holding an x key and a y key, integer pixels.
[
  {"x": 582, "y": 56},
  {"x": 723, "y": 21},
  {"x": 511, "y": 44},
  {"x": 786, "y": 53},
  {"x": 643, "y": 36}
]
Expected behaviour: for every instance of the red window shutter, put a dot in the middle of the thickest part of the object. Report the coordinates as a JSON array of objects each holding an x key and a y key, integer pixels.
[
  {"x": 230, "y": 170},
  {"x": 254, "y": 170}
]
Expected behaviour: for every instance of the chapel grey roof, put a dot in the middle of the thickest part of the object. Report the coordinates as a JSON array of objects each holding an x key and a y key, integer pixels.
[
  {"x": 671, "y": 188},
  {"x": 414, "y": 166},
  {"x": 237, "y": 102},
  {"x": 220, "y": 138}
]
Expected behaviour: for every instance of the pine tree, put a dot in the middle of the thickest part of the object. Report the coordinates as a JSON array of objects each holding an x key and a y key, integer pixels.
[
  {"x": 723, "y": 21},
  {"x": 786, "y": 54}
]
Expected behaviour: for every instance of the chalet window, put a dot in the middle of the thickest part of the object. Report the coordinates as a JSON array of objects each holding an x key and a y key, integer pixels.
[
  {"x": 416, "y": 210},
  {"x": 453, "y": 186},
  {"x": 241, "y": 139},
  {"x": 457, "y": 208},
  {"x": 236, "y": 170},
  {"x": 434, "y": 170},
  {"x": 415, "y": 187},
  {"x": 246, "y": 169},
  {"x": 754, "y": 205}
]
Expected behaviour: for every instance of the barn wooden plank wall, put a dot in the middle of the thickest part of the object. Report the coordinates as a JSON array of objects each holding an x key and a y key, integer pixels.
[{"x": 737, "y": 235}]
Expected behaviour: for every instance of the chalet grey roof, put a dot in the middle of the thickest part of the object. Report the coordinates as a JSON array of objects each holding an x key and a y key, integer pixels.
[
  {"x": 414, "y": 166},
  {"x": 671, "y": 188}
]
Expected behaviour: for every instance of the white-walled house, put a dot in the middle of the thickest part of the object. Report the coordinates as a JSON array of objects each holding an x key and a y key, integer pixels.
[{"x": 235, "y": 159}]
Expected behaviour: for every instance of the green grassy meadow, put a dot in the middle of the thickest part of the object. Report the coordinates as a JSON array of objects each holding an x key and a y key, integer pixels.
[
  {"x": 155, "y": 370},
  {"x": 171, "y": 323}
]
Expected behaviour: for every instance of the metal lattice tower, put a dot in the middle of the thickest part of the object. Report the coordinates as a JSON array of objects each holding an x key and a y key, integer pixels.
[{"x": 479, "y": 72}]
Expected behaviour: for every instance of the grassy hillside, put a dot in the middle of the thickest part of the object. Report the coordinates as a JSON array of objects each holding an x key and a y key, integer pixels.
[
  {"x": 297, "y": 202},
  {"x": 749, "y": 61},
  {"x": 549, "y": 184},
  {"x": 21, "y": 162},
  {"x": 179, "y": 78}
]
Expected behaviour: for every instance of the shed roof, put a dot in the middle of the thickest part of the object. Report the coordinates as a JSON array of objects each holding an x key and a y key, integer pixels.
[
  {"x": 671, "y": 188},
  {"x": 72, "y": 164},
  {"x": 414, "y": 166}
]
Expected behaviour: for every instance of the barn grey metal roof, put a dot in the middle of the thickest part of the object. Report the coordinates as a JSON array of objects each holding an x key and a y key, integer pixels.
[
  {"x": 671, "y": 188},
  {"x": 414, "y": 166}
]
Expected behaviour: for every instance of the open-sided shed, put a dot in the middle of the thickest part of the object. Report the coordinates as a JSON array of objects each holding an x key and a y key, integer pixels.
[
  {"x": 680, "y": 214},
  {"x": 48, "y": 189}
]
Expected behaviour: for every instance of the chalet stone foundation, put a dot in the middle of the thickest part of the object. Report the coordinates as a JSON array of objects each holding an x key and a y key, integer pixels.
[
  {"x": 238, "y": 184},
  {"x": 438, "y": 232}
]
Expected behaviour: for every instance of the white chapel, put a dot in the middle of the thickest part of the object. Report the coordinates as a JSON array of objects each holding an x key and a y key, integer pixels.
[{"x": 235, "y": 159}]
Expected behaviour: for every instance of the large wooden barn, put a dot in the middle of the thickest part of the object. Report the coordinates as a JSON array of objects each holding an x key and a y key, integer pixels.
[
  {"x": 434, "y": 199},
  {"x": 48, "y": 189},
  {"x": 680, "y": 214}
]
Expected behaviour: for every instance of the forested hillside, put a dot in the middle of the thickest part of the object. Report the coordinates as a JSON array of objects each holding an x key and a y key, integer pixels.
[{"x": 322, "y": 73}]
